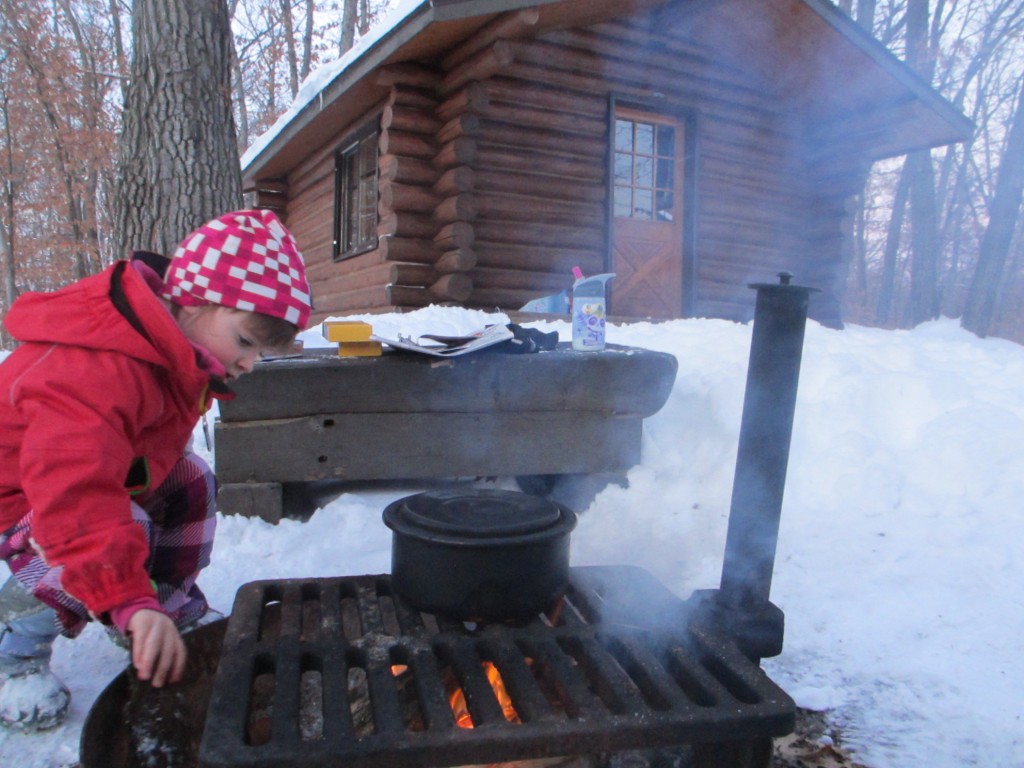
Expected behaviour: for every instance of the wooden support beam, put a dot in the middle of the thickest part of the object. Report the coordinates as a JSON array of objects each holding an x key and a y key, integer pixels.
[
  {"x": 406, "y": 197},
  {"x": 536, "y": 233},
  {"x": 403, "y": 143},
  {"x": 539, "y": 185},
  {"x": 407, "y": 224},
  {"x": 408, "y": 74},
  {"x": 507, "y": 25},
  {"x": 420, "y": 275},
  {"x": 462, "y": 207},
  {"x": 563, "y": 142},
  {"x": 407, "y": 249},
  {"x": 411, "y": 96},
  {"x": 542, "y": 97},
  {"x": 455, "y": 180},
  {"x": 520, "y": 443},
  {"x": 482, "y": 65},
  {"x": 462, "y": 125},
  {"x": 337, "y": 297},
  {"x": 374, "y": 274},
  {"x": 461, "y": 151},
  {"x": 401, "y": 118},
  {"x": 543, "y": 283},
  {"x": 516, "y": 207},
  {"x": 458, "y": 234},
  {"x": 456, "y": 286},
  {"x": 457, "y": 260},
  {"x": 279, "y": 186},
  {"x": 471, "y": 98},
  {"x": 539, "y": 258},
  {"x": 546, "y": 119},
  {"x": 274, "y": 201},
  {"x": 500, "y": 158},
  {"x": 406, "y": 170},
  {"x": 450, "y": 287}
]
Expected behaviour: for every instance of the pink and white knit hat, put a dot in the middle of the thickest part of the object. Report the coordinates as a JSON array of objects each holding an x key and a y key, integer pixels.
[{"x": 245, "y": 260}]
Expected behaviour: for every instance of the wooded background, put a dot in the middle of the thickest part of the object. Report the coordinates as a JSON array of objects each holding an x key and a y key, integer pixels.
[{"x": 938, "y": 233}]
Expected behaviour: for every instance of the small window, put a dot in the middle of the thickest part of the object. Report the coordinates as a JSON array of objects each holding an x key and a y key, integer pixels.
[
  {"x": 644, "y": 165},
  {"x": 355, "y": 195}
]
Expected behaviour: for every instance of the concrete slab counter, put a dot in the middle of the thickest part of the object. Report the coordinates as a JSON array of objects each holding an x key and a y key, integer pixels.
[{"x": 406, "y": 416}]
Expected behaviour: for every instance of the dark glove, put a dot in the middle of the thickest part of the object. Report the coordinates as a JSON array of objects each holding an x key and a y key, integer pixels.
[{"x": 526, "y": 340}]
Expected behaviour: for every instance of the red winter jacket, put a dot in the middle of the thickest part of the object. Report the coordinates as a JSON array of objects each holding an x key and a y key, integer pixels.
[{"x": 103, "y": 383}]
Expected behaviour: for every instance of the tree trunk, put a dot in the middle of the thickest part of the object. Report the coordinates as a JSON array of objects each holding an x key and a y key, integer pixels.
[
  {"x": 179, "y": 159},
  {"x": 887, "y": 283},
  {"x": 6, "y": 268},
  {"x": 289, "y": 46},
  {"x": 866, "y": 14},
  {"x": 239, "y": 84},
  {"x": 995, "y": 244},
  {"x": 924, "y": 222},
  {"x": 924, "y": 241},
  {"x": 348, "y": 26},
  {"x": 307, "y": 41},
  {"x": 119, "y": 54}
]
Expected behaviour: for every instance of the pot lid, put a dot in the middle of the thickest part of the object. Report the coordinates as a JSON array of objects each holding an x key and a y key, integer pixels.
[{"x": 476, "y": 514}]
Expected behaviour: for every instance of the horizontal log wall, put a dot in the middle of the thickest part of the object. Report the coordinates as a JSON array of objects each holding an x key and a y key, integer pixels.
[
  {"x": 494, "y": 162},
  {"x": 529, "y": 118},
  {"x": 538, "y": 182}
]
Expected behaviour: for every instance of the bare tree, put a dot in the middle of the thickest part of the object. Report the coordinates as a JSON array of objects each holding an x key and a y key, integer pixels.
[
  {"x": 887, "y": 281},
  {"x": 179, "y": 162},
  {"x": 307, "y": 41},
  {"x": 291, "y": 54},
  {"x": 1004, "y": 211},
  {"x": 8, "y": 268},
  {"x": 924, "y": 244},
  {"x": 120, "y": 55},
  {"x": 350, "y": 10}
]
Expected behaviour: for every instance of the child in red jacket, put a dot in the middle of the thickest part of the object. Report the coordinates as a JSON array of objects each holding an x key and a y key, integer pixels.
[{"x": 104, "y": 512}]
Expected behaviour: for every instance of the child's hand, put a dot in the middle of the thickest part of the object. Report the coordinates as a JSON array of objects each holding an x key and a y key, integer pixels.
[{"x": 158, "y": 652}]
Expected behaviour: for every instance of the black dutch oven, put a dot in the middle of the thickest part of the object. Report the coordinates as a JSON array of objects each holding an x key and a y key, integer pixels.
[{"x": 482, "y": 555}]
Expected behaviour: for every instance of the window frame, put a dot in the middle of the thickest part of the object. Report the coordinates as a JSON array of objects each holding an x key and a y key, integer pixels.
[{"x": 344, "y": 201}]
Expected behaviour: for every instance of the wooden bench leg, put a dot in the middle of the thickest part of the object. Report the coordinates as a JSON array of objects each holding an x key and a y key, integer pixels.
[{"x": 263, "y": 500}]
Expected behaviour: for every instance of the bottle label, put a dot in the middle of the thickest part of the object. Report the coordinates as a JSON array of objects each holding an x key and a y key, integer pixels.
[{"x": 588, "y": 320}]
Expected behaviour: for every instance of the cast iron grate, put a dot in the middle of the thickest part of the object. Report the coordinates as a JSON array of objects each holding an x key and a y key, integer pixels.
[{"x": 342, "y": 672}]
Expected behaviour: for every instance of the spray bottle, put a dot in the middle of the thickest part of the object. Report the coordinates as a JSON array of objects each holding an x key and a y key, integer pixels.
[{"x": 588, "y": 312}]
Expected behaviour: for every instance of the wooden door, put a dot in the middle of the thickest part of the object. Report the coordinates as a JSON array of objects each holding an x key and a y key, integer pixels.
[{"x": 647, "y": 223}]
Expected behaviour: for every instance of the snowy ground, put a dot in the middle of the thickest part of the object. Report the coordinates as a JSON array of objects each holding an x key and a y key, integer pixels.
[{"x": 900, "y": 554}]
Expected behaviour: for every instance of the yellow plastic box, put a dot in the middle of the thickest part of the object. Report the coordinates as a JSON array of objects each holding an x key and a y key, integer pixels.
[
  {"x": 360, "y": 349},
  {"x": 347, "y": 330}
]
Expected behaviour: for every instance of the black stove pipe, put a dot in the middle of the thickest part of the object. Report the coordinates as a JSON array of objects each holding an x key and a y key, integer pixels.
[{"x": 741, "y": 606}]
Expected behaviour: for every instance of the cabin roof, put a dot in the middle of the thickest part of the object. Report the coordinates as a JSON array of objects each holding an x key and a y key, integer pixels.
[{"x": 821, "y": 66}]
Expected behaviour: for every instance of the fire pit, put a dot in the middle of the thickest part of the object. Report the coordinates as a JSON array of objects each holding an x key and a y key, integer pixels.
[{"x": 622, "y": 664}]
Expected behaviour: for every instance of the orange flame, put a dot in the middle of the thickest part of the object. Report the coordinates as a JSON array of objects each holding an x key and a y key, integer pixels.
[{"x": 458, "y": 699}]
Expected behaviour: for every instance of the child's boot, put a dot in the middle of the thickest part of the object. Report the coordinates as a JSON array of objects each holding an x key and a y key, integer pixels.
[{"x": 32, "y": 698}]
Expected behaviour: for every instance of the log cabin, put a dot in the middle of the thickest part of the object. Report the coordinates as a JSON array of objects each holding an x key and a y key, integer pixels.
[{"x": 473, "y": 152}]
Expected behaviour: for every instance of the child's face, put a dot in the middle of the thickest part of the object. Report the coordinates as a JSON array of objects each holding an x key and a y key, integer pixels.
[{"x": 225, "y": 333}]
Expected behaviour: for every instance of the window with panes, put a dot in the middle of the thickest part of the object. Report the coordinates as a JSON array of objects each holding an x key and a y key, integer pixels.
[
  {"x": 355, "y": 195},
  {"x": 644, "y": 166}
]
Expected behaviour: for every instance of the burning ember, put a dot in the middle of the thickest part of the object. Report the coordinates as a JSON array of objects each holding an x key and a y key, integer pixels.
[{"x": 458, "y": 699}]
